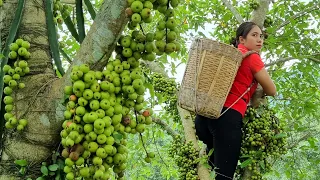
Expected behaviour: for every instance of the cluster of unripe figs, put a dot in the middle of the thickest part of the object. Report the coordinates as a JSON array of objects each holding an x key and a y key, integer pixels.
[
  {"x": 103, "y": 107},
  {"x": 16, "y": 68},
  {"x": 164, "y": 39},
  {"x": 186, "y": 157},
  {"x": 60, "y": 11},
  {"x": 263, "y": 137}
]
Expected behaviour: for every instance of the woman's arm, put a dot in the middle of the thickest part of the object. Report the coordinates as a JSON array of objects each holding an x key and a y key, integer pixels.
[{"x": 266, "y": 82}]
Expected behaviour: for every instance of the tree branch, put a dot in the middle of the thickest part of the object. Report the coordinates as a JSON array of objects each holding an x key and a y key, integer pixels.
[
  {"x": 310, "y": 57},
  {"x": 165, "y": 126},
  {"x": 187, "y": 123},
  {"x": 300, "y": 14},
  {"x": 259, "y": 15},
  {"x": 280, "y": 61},
  {"x": 303, "y": 138},
  {"x": 314, "y": 60},
  {"x": 101, "y": 39},
  {"x": 190, "y": 135},
  {"x": 233, "y": 10},
  {"x": 155, "y": 67}
]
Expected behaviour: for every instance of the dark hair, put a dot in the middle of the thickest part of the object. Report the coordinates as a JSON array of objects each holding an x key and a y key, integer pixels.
[{"x": 243, "y": 31}]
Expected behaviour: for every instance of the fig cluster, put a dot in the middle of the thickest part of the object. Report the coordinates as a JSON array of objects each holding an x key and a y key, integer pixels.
[
  {"x": 253, "y": 4},
  {"x": 16, "y": 68},
  {"x": 263, "y": 138},
  {"x": 268, "y": 22},
  {"x": 164, "y": 85},
  {"x": 60, "y": 11},
  {"x": 102, "y": 108},
  {"x": 167, "y": 87},
  {"x": 186, "y": 157},
  {"x": 164, "y": 39}
]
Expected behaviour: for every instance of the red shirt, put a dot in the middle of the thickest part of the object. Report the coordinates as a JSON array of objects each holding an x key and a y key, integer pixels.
[{"x": 244, "y": 78}]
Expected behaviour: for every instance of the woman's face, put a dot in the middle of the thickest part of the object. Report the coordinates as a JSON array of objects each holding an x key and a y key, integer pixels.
[{"x": 254, "y": 39}]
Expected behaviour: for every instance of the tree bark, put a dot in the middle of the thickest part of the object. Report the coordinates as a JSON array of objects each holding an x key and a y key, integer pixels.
[
  {"x": 102, "y": 36},
  {"x": 101, "y": 39},
  {"x": 41, "y": 101},
  {"x": 190, "y": 135},
  {"x": 259, "y": 15},
  {"x": 33, "y": 103}
]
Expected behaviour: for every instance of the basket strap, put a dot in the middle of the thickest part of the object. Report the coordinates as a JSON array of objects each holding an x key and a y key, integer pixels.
[
  {"x": 198, "y": 50},
  {"x": 237, "y": 99}
]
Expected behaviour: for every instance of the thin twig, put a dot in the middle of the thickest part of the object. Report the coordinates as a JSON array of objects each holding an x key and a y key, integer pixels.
[
  {"x": 142, "y": 29},
  {"x": 140, "y": 135},
  {"x": 300, "y": 14}
]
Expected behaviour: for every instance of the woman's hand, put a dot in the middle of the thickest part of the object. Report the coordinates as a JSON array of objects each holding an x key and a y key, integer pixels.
[
  {"x": 248, "y": 53},
  {"x": 258, "y": 97}
]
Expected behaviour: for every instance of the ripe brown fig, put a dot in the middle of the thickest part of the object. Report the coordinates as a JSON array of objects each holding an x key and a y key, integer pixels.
[
  {"x": 77, "y": 148},
  {"x": 126, "y": 120},
  {"x": 80, "y": 149},
  {"x": 146, "y": 113},
  {"x": 74, "y": 156},
  {"x": 73, "y": 97},
  {"x": 68, "y": 123}
]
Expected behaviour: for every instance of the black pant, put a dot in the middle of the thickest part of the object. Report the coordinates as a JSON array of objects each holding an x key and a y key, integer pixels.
[{"x": 224, "y": 135}]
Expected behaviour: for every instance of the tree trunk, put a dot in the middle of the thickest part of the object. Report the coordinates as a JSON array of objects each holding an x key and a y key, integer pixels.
[
  {"x": 33, "y": 103},
  {"x": 40, "y": 101}
]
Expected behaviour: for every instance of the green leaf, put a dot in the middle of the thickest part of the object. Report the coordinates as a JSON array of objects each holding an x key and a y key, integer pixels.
[
  {"x": 22, "y": 170},
  {"x": 151, "y": 89},
  {"x": 52, "y": 173},
  {"x": 44, "y": 170},
  {"x": 58, "y": 74},
  {"x": 210, "y": 152},
  {"x": 212, "y": 174},
  {"x": 21, "y": 162},
  {"x": 61, "y": 164},
  {"x": 40, "y": 178},
  {"x": 246, "y": 163},
  {"x": 262, "y": 165},
  {"x": 52, "y": 36},
  {"x": 245, "y": 156},
  {"x": 117, "y": 137},
  {"x": 201, "y": 34},
  {"x": 312, "y": 141},
  {"x": 58, "y": 177},
  {"x": 280, "y": 135},
  {"x": 1, "y": 55},
  {"x": 53, "y": 167}
]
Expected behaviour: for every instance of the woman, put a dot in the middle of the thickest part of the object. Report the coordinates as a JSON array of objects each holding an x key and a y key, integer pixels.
[{"x": 224, "y": 134}]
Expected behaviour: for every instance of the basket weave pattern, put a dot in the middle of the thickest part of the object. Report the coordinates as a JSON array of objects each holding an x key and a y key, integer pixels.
[{"x": 209, "y": 74}]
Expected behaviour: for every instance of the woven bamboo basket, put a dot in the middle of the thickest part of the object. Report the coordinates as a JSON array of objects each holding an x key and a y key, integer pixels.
[{"x": 209, "y": 75}]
